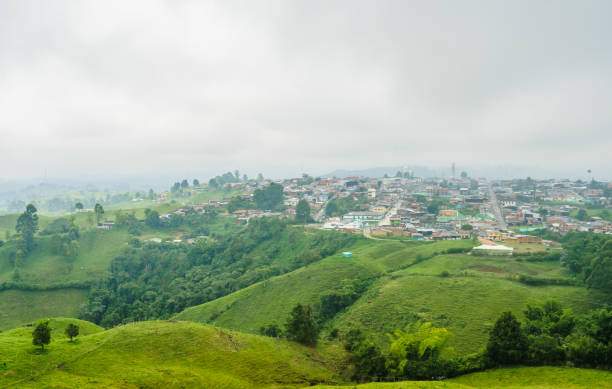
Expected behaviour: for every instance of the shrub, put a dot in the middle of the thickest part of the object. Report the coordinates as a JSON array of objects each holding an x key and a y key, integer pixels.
[{"x": 271, "y": 330}]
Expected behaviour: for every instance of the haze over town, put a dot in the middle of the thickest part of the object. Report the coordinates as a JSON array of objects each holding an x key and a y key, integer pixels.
[{"x": 157, "y": 89}]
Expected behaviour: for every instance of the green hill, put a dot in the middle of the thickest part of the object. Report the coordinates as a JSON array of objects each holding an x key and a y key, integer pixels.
[
  {"x": 173, "y": 354},
  {"x": 519, "y": 377},
  {"x": 21, "y": 306},
  {"x": 158, "y": 354},
  {"x": 406, "y": 283}
]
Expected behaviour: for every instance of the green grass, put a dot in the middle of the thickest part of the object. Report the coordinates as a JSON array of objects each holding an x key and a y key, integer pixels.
[
  {"x": 538, "y": 377},
  {"x": 41, "y": 267},
  {"x": 160, "y": 354},
  {"x": 467, "y": 302},
  {"x": 18, "y": 307},
  {"x": 594, "y": 212},
  {"x": 175, "y": 354},
  {"x": 519, "y": 377}
]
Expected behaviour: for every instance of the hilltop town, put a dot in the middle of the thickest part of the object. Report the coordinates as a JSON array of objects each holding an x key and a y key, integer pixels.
[{"x": 500, "y": 213}]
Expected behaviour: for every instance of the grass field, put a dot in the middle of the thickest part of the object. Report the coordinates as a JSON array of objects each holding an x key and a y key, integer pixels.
[
  {"x": 18, "y": 307},
  {"x": 159, "y": 354},
  {"x": 538, "y": 377},
  {"x": 41, "y": 267},
  {"x": 467, "y": 300},
  {"x": 595, "y": 212},
  {"x": 519, "y": 377}
]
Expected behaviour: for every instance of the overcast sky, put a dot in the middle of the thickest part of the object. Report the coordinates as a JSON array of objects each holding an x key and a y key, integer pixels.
[{"x": 192, "y": 88}]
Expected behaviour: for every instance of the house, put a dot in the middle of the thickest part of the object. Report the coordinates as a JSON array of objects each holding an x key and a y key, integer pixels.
[
  {"x": 486, "y": 249},
  {"x": 363, "y": 216},
  {"x": 379, "y": 209},
  {"x": 106, "y": 226}
]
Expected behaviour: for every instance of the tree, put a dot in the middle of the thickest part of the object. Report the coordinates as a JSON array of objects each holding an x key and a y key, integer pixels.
[
  {"x": 302, "y": 211},
  {"x": 507, "y": 343},
  {"x": 72, "y": 331},
  {"x": 152, "y": 218},
  {"x": 300, "y": 326},
  {"x": 99, "y": 210},
  {"x": 213, "y": 183},
  {"x": 464, "y": 175},
  {"x": 272, "y": 330},
  {"x": 467, "y": 227},
  {"x": 260, "y": 177},
  {"x": 184, "y": 184},
  {"x": 601, "y": 275},
  {"x": 176, "y": 187},
  {"x": 41, "y": 335},
  {"x": 268, "y": 197},
  {"x": 27, "y": 225},
  {"x": 420, "y": 352},
  {"x": 245, "y": 178},
  {"x": 196, "y": 182},
  {"x": 331, "y": 208},
  {"x": 581, "y": 215},
  {"x": 433, "y": 207},
  {"x": 78, "y": 206}
]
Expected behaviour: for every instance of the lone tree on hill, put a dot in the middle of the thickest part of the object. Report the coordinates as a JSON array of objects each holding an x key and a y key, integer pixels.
[
  {"x": 27, "y": 225},
  {"x": 302, "y": 211},
  {"x": 41, "y": 335},
  {"x": 99, "y": 210},
  {"x": 301, "y": 325},
  {"x": 507, "y": 343},
  {"x": 72, "y": 331},
  {"x": 78, "y": 206}
]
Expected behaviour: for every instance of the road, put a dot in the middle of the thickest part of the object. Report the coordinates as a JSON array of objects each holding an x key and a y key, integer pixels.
[
  {"x": 386, "y": 221},
  {"x": 501, "y": 223},
  {"x": 321, "y": 212}
]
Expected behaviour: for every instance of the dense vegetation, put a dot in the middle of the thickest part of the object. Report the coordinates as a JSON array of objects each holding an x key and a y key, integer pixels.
[
  {"x": 549, "y": 335},
  {"x": 156, "y": 280},
  {"x": 589, "y": 257},
  {"x": 342, "y": 205}
]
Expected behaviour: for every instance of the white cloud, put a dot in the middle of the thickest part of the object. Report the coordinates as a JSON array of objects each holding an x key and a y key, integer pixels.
[{"x": 164, "y": 87}]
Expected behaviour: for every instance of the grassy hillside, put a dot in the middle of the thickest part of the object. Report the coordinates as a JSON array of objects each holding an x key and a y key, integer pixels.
[
  {"x": 182, "y": 354},
  {"x": 21, "y": 306},
  {"x": 42, "y": 267},
  {"x": 406, "y": 285},
  {"x": 159, "y": 354},
  {"x": 520, "y": 377},
  {"x": 537, "y": 377}
]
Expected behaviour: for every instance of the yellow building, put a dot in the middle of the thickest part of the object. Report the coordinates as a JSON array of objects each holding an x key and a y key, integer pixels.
[{"x": 379, "y": 209}]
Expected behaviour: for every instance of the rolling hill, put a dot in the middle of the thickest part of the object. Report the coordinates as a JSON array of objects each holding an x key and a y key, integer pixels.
[
  {"x": 407, "y": 281},
  {"x": 173, "y": 354},
  {"x": 159, "y": 354}
]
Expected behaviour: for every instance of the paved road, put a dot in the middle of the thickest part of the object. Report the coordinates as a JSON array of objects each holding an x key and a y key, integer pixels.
[
  {"x": 501, "y": 223},
  {"x": 387, "y": 219},
  {"x": 321, "y": 213}
]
